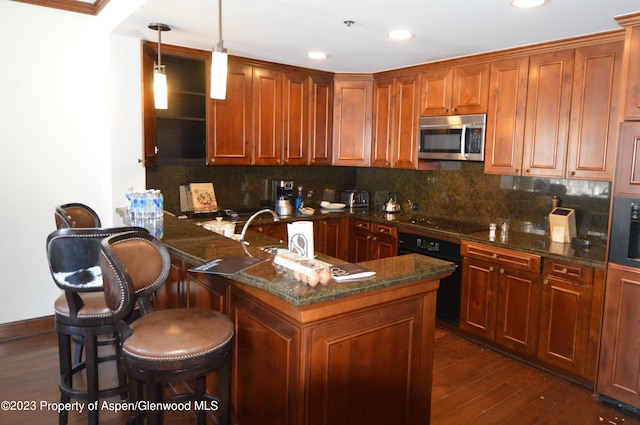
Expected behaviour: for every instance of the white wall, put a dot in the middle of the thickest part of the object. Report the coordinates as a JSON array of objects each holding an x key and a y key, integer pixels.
[{"x": 70, "y": 131}]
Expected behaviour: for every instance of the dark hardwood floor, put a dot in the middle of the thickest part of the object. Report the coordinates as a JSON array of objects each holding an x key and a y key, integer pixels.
[{"x": 471, "y": 385}]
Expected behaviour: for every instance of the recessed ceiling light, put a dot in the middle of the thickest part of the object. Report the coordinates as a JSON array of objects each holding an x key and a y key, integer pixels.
[
  {"x": 399, "y": 35},
  {"x": 527, "y": 3},
  {"x": 317, "y": 55}
]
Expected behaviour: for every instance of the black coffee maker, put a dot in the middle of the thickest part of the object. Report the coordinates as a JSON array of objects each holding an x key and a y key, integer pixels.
[{"x": 284, "y": 189}]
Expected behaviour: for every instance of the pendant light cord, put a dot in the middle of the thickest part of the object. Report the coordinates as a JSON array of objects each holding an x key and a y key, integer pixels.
[{"x": 220, "y": 46}]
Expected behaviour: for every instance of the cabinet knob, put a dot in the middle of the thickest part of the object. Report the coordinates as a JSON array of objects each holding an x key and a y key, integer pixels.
[
  {"x": 515, "y": 170},
  {"x": 501, "y": 270},
  {"x": 564, "y": 270},
  {"x": 453, "y": 109},
  {"x": 494, "y": 255},
  {"x": 572, "y": 173},
  {"x": 527, "y": 171},
  {"x": 139, "y": 161},
  {"x": 491, "y": 268},
  {"x": 545, "y": 281}
]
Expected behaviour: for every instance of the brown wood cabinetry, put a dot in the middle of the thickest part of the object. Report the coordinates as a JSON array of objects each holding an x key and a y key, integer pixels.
[
  {"x": 370, "y": 241},
  {"x": 455, "y": 91},
  {"x": 352, "y": 120},
  {"x": 395, "y": 122},
  {"x": 632, "y": 65},
  {"x": 565, "y": 312},
  {"x": 331, "y": 237},
  {"x": 320, "y": 361},
  {"x": 500, "y": 296},
  {"x": 619, "y": 372},
  {"x": 568, "y": 128},
  {"x": 272, "y": 115},
  {"x": 178, "y": 134},
  {"x": 321, "y": 119},
  {"x": 273, "y": 230},
  {"x": 628, "y": 168}
]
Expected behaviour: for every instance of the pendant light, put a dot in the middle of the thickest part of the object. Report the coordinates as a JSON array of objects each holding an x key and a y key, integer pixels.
[
  {"x": 219, "y": 61},
  {"x": 159, "y": 74}
]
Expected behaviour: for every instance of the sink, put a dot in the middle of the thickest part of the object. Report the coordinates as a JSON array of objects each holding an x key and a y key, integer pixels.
[{"x": 274, "y": 250}]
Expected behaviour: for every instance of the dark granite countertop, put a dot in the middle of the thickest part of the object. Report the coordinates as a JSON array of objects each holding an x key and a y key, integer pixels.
[{"x": 196, "y": 245}]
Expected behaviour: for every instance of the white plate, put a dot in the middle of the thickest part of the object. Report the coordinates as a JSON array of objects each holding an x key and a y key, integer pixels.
[{"x": 334, "y": 206}]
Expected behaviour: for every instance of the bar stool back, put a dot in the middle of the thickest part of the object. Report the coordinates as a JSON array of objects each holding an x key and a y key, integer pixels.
[{"x": 76, "y": 214}]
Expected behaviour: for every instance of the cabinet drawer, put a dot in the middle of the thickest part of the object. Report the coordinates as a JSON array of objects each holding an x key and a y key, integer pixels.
[
  {"x": 575, "y": 272},
  {"x": 362, "y": 224},
  {"x": 506, "y": 257},
  {"x": 385, "y": 229}
]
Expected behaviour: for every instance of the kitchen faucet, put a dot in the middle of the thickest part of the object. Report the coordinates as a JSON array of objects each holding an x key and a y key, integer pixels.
[{"x": 246, "y": 225}]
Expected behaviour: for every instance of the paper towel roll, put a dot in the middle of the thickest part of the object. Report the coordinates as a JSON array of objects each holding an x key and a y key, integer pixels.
[{"x": 300, "y": 234}]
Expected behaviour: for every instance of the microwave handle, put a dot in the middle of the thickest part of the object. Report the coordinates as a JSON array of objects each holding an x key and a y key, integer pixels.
[{"x": 463, "y": 138}]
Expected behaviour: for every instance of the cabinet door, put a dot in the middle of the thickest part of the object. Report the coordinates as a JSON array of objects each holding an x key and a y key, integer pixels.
[
  {"x": 436, "y": 86},
  {"x": 295, "y": 134},
  {"x": 564, "y": 323},
  {"x": 505, "y": 117},
  {"x": 267, "y": 117},
  {"x": 383, "y": 247},
  {"x": 405, "y": 143},
  {"x": 470, "y": 89},
  {"x": 518, "y": 310},
  {"x": 632, "y": 99},
  {"x": 628, "y": 167},
  {"x": 619, "y": 372},
  {"x": 478, "y": 300},
  {"x": 359, "y": 246},
  {"x": 382, "y": 134},
  {"x": 229, "y": 122},
  {"x": 593, "y": 134},
  {"x": 275, "y": 230},
  {"x": 371, "y": 367},
  {"x": 260, "y": 397},
  {"x": 332, "y": 237},
  {"x": 321, "y": 123},
  {"x": 171, "y": 294},
  {"x": 206, "y": 291},
  {"x": 352, "y": 121},
  {"x": 547, "y": 116}
]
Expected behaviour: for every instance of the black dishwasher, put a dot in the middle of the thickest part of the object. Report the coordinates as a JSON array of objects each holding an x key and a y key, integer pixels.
[{"x": 448, "y": 302}]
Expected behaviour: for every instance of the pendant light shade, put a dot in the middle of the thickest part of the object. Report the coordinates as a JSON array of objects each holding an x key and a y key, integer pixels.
[
  {"x": 160, "y": 94},
  {"x": 219, "y": 64}
]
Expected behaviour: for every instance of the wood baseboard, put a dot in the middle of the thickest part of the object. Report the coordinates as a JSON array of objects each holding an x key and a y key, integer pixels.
[{"x": 26, "y": 327}]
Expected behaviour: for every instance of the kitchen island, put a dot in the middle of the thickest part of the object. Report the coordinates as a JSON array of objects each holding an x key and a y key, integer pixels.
[{"x": 344, "y": 353}]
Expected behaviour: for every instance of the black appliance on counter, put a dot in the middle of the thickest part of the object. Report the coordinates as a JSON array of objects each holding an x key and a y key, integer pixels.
[
  {"x": 624, "y": 248},
  {"x": 448, "y": 301},
  {"x": 282, "y": 189}
]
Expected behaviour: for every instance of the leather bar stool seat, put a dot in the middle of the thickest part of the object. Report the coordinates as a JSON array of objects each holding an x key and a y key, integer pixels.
[{"x": 164, "y": 346}]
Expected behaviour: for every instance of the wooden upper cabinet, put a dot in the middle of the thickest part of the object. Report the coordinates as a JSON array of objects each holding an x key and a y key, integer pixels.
[
  {"x": 267, "y": 117},
  {"x": 321, "y": 119},
  {"x": 295, "y": 132},
  {"x": 455, "y": 91},
  {"x": 382, "y": 134},
  {"x": 628, "y": 170},
  {"x": 594, "y": 124},
  {"x": 547, "y": 116},
  {"x": 229, "y": 122},
  {"x": 352, "y": 120},
  {"x": 632, "y": 66},
  {"x": 554, "y": 114},
  {"x": 395, "y": 122},
  {"x": 505, "y": 117}
]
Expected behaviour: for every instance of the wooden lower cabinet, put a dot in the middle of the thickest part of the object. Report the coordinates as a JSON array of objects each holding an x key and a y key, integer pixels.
[
  {"x": 358, "y": 362},
  {"x": 552, "y": 320},
  {"x": 619, "y": 372},
  {"x": 500, "y": 304},
  {"x": 371, "y": 241},
  {"x": 330, "y": 237}
]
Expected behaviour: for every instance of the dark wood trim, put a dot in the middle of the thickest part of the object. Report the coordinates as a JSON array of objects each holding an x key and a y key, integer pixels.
[
  {"x": 70, "y": 5},
  {"x": 26, "y": 327}
]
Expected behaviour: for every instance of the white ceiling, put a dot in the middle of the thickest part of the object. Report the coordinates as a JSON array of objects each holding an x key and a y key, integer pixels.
[{"x": 284, "y": 31}]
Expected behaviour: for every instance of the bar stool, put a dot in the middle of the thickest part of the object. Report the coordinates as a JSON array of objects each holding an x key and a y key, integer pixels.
[
  {"x": 164, "y": 346},
  {"x": 81, "y": 313},
  {"x": 76, "y": 214}
]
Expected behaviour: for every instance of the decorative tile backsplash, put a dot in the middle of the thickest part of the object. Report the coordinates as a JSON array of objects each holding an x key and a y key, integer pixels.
[{"x": 457, "y": 191}]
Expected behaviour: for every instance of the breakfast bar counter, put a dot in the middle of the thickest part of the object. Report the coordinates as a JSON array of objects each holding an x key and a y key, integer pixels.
[{"x": 341, "y": 353}]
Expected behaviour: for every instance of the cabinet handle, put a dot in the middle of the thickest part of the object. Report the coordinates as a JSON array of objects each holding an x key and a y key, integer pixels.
[
  {"x": 446, "y": 110},
  {"x": 374, "y": 238},
  {"x": 515, "y": 170},
  {"x": 369, "y": 238},
  {"x": 453, "y": 109},
  {"x": 545, "y": 281},
  {"x": 527, "y": 171},
  {"x": 564, "y": 270},
  {"x": 572, "y": 173},
  {"x": 501, "y": 270},
  {"x": 494, "y": 255},
  {"x": 491, "y": 268}
]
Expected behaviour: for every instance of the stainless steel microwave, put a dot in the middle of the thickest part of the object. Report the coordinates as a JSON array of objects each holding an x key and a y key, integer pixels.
[{"x": 453, "y": 138}]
